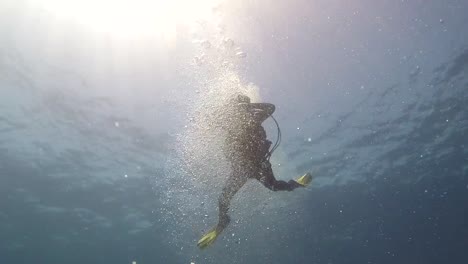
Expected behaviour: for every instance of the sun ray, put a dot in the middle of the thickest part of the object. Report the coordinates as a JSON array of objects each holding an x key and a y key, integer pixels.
[{"x": 130, "y": 18}]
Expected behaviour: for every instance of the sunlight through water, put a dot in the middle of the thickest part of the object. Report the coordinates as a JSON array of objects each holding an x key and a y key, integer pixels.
[{"x": 127, "y": 18}]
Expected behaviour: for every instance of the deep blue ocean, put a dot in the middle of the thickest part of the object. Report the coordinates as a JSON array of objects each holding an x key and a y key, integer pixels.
[{"x": 111, "y": 147}]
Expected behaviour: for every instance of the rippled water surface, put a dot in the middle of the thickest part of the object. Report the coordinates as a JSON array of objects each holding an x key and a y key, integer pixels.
[{"x": 110, "y": 152}]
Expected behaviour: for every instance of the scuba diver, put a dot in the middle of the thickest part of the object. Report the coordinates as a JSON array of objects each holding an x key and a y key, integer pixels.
[{"x": 248, "y": 150}]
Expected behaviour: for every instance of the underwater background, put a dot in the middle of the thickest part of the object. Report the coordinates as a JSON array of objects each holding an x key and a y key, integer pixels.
[{"x": 109, "y": 151}]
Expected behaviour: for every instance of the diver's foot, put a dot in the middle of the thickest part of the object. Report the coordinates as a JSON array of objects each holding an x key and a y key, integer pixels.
[
  {"x": 305, "y": 179},
  {"x": 210, "y": 236}
]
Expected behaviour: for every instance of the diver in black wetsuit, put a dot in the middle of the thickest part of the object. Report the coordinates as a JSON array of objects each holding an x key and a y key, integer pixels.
[{"x": 248, "y": 150}]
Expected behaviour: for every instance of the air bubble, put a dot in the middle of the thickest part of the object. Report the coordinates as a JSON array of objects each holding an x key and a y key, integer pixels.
[
  {"x": 197, "y": 60},
  {"x": 241, "y": 54},
  {"x": 228, "y": 43},
  {"x": 205, "y": 44}
]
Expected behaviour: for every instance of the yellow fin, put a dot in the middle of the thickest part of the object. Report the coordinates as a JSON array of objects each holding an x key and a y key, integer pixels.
[
  {"x": 305, "y": 179},
  {"x": 208, "y": 238}
]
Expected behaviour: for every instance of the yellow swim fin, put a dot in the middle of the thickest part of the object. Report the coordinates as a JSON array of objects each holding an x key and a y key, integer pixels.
[
  {"x": 305, "y": 179},
  {"x": 208, "y": 238}
]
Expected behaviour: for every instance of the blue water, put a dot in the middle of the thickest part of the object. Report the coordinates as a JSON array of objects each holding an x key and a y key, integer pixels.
[{"x": 109, "y": 151}]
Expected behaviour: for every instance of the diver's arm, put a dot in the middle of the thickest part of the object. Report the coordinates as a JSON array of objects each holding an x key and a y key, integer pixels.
[{"x": 261, "y": 111}]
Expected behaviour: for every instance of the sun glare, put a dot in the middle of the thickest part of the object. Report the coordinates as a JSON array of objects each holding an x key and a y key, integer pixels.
[{"x": 131, "y": 18}]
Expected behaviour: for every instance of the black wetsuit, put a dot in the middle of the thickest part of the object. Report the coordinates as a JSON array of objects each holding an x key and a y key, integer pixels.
[{"x": 247, "y": 149}]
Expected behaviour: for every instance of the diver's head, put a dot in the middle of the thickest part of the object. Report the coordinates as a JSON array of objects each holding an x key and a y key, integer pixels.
[
  {"x": 239, "y": 100},
  {"x": 243, "y": 99},
  {"x": 239, "y": 103}
]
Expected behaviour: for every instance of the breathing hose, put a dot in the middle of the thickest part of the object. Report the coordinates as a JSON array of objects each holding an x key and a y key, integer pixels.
[{"x": 278, "y": 140}]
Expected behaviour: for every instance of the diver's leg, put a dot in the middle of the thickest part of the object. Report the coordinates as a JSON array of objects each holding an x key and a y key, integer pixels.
[
  {"x": 235, "y": 181},
  {"x": 267, "y": 178},
  {"x": 232, "y": 186}
]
